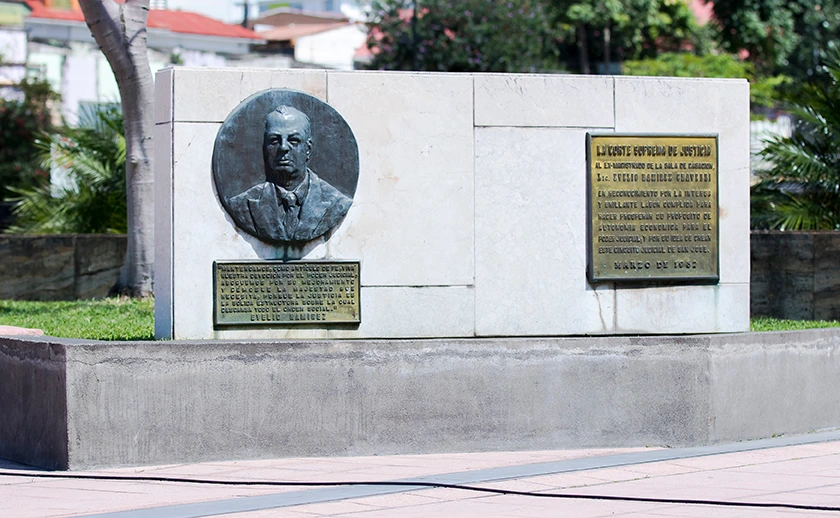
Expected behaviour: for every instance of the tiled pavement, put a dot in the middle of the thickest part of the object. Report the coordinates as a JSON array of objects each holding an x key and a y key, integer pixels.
[{"x": 799, "y": 470}]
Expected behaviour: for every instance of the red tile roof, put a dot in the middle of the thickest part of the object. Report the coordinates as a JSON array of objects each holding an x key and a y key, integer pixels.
[
  {"x": 193, "y": 23},
  {"x": 183, "y": 22}
]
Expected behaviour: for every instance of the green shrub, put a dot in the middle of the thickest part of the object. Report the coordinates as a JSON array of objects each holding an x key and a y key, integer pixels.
[{"x": 763, "y": 90}]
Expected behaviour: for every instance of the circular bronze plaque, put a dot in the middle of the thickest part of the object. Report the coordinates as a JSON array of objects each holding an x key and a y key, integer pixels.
[{"x": 286, "y": 166}]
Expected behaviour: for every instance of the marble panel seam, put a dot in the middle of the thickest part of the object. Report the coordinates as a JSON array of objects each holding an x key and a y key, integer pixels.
[
  {"x": 611, "y": 287},
  {"x": 513, "y": 126},
  {"x": 171, "y": 236},
  {"x": 681, "y": 79},
  {"x": 327, "y": 87},
  {"x": 618, "y": 287},
  {"x": 615, "y": 106},
  {"x": 475, "y": 216},
  {"x": 418, "y": 286},
  {"x": 473, "y": 110},
  {"x": 195, "y": 122}
]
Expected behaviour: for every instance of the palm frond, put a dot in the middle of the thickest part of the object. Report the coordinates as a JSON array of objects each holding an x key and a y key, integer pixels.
[
  {"x": 93, "y": 157},
  {"x": 801, "y": 189}
]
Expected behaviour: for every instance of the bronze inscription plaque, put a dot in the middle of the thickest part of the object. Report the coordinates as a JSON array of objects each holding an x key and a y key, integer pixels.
[
  {"x": 653, "y": 204},
  {"x": 285, "y": 293}
]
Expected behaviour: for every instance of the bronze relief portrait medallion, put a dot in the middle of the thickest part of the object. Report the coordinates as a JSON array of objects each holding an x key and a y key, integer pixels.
[{"x": 286, "y": 166}]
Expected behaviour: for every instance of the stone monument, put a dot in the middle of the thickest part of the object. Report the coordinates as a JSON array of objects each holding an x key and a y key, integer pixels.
[
  {"x": 467, "y": 225},
  {"x": 450, "y": 205}
]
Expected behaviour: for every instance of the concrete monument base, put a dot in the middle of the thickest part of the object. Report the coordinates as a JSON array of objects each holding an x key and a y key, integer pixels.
[{"x": 72, "y": 404}]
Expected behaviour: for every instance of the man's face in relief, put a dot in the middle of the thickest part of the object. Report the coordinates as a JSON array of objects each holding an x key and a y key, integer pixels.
[{"x": 286, "y": 144}]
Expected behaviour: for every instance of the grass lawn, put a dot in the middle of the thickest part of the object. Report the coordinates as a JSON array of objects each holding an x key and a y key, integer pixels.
[
  {"x": 104, "y": 319},
  {"x": 774, "y": 324},
  {"x": 127, "y": 319}
]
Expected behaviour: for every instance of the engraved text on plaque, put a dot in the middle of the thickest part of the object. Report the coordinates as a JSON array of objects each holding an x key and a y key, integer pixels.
[
  {"x": 653, "y": 206},
  {"x": 283, "y": 293}
]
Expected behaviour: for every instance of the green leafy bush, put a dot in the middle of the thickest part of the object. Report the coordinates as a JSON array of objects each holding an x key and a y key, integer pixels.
[{"x": 764, "y": 91}]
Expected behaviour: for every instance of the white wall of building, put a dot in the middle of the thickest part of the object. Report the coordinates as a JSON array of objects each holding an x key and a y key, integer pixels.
[
  {"x": 13, "y": 55},
  {"x": 331, "y": 49},
  {"x": 79, "y": 75},
  {"x": 47, "y": 61},
  {"x": 195, "y": 58},
  {"x": 12, "y": 45}
]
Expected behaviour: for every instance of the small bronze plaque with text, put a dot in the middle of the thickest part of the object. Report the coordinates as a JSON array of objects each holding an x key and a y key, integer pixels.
[
  {"x": 653, "y": 207},
  {"x": 285, "y": 293}
]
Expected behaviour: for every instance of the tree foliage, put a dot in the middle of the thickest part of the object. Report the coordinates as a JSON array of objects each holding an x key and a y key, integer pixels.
[
  {"x": 818, "y": 27},
  {"x": 20, "y": 123},
  {"x": 792, "y": 36},
  {"x": 93, "y": 200},
  {"x": 801, "y": 190},
  {"x": 764, "y": 28},
  {"x": 526, "y": 35},
  {"x": 461, "y": 36},
  {"x": 607, "y": 31}
]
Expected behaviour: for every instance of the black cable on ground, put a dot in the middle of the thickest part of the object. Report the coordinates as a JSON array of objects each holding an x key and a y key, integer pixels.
[{"x": 572, "y": 496}]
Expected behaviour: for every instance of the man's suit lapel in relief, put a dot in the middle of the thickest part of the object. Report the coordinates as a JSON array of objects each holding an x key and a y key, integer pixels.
[
  {"x": 312, "y": 211},
  {"x": 267, "y": 213}
]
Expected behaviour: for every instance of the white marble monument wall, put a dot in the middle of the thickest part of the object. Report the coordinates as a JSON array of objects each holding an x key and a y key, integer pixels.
[{"x": 470, "y": 215}]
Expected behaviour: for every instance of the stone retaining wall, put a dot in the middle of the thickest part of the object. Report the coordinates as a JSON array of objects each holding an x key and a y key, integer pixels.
[
  {"x": 795, "y": 275},
  {"x": 59, "y": 267}
]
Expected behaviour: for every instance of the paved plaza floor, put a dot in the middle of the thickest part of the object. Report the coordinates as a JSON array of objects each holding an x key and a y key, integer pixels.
[{"x": 785, "y": 476}]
